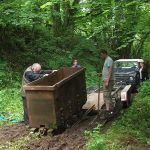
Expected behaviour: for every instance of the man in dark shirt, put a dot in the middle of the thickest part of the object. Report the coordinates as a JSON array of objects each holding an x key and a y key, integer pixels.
[
  {"x": 32, "y": 73},
  {"x": 75, "y": 64},
  {"x": 143, "y": 72}
]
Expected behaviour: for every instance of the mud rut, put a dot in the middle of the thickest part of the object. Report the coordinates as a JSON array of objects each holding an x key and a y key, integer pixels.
[{"x": 71, "y": 139}]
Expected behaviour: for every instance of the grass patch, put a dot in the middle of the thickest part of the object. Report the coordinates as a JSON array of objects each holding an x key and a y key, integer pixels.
[{"x": 11, "y": 109}]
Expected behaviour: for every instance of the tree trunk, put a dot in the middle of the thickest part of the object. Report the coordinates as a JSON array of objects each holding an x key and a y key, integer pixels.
[{"x": 56, "y": 17}]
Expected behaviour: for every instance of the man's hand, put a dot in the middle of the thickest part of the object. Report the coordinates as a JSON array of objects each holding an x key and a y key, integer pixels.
[
  {"x": 45, "y": 75},
  {"x": 54, "y": 71}
]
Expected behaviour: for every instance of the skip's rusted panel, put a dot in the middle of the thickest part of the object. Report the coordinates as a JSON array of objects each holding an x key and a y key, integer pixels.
[
  {"x": 54, "y": 99},
  {"x": 41, "y": 108},
  {"x": 70, "y": 97}
]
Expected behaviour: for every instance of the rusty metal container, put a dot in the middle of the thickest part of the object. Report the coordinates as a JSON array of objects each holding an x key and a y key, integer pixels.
[{"x": 54, "y": 99}]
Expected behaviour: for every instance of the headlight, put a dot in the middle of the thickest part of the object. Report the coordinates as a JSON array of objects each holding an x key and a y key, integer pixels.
[
  {"x": 132, "y": 74},
  {"x": 131, "y": 78},
  {"x": 123, "y": 96}
]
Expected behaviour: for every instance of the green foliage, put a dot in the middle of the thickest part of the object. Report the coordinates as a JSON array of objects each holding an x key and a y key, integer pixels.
[
  {"x": 10, "y": 105},
  {"x": 95, "y": 140},
  {"x": 114, "y": 24},
  {"x": 146, "y": 51},
  {"x": 3, "y": 80},
  {"x": 22, "y": 13},
  {"x": 135, "y": 122},
  {"x": 91, "y": 75},
  {"x": 144, "y": 91},
  {"x": 28, "y": 30},
  {"x": 7, "y": 76},
  {"x": 138, "y": 114}
]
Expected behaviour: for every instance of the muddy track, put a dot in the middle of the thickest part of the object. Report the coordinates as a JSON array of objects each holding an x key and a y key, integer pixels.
[
  {"x": 70, "y": 139},
  {"x": 12, "y": 133}
]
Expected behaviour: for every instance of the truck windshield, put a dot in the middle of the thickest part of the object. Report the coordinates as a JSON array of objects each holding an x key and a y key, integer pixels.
[{"x": 126, "y": 64}]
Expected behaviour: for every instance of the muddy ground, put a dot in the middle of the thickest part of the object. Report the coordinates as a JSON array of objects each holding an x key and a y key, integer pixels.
[
  {"x": 11, "y": 133},
  {"x": 71, "y": 139}
]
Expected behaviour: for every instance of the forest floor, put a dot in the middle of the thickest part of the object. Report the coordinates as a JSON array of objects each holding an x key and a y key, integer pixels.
[
  {"x": 70, "y": 139},
  {"x": 19, "y": 137}
]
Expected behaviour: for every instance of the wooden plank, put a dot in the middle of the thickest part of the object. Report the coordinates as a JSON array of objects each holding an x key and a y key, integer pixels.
[{"x": 114, "y": 92}]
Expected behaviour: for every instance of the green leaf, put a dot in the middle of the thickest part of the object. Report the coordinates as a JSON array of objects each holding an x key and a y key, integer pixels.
[{"x": 46, "y": 4}]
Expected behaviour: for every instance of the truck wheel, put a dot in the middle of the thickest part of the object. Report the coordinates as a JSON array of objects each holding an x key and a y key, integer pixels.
[
  {"x": 125, "y": 104},
  {"x": 118, "y": 105}
]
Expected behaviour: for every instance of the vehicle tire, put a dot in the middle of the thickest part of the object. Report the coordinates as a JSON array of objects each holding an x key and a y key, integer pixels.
[
  {"x": 125, "y": 104},
  {"x": 118, "y": 105}
]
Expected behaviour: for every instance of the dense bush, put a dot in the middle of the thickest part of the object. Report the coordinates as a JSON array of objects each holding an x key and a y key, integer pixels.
[
  {"x": 3, "y": 79},
  {"x": 137, "y": 117}
]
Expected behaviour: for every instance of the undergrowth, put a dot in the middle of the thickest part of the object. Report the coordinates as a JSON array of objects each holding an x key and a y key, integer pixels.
[{"x": 10, "y": 105}]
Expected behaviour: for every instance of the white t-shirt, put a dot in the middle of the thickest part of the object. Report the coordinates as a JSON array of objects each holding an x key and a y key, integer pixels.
[
  {"x": 108, "y": 63},
  {"x": 141, "y": 73}
]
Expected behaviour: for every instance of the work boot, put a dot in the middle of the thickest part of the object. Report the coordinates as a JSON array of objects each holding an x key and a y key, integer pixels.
[
  {"x": 107, "y": 114},
  {"x": 110, "y": 114},
  {"x": 103, "y": 114}
]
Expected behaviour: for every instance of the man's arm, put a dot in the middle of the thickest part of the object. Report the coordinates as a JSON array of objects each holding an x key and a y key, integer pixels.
[
  {"x": 109, "y": 75},
  {"x": 46, "y": 71},
  {"x": 110, "y": 70},
  {"x": 31, "y": 76}
]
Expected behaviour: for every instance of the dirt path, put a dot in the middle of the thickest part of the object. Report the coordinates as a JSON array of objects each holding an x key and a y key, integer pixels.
[
  {"x": 71, "y": 139},
  {"x": 12, "y": 133}
]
